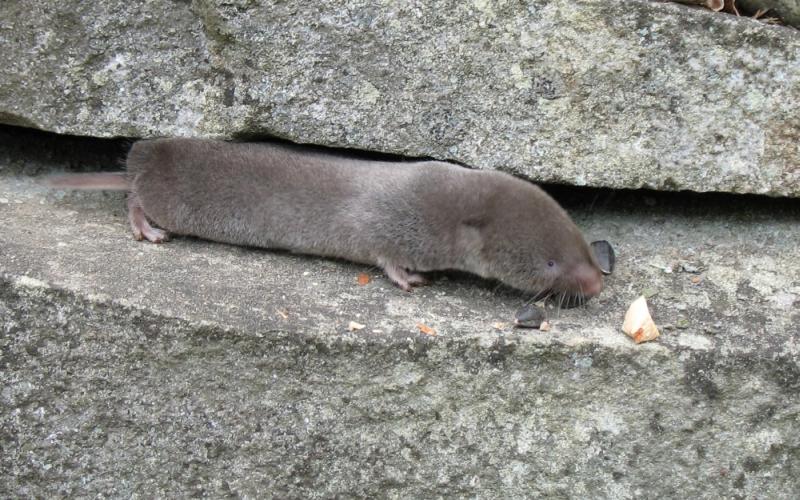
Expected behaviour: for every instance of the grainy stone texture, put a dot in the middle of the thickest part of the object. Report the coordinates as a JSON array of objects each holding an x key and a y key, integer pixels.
[
  {"x": 619, "y": 94},
  {"x": 193, "y": 368}
]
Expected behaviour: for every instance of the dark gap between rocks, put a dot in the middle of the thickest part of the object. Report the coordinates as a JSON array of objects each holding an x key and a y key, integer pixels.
[{"x": 33, "y": 152}]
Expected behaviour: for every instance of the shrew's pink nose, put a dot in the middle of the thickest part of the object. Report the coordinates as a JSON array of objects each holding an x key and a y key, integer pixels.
[{"x": 589, "y": 279}]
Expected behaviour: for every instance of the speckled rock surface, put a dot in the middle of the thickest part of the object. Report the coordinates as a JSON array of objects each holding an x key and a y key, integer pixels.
[
  {"x": 618, "y": 94},
  {"x": 193, "y": 368}
]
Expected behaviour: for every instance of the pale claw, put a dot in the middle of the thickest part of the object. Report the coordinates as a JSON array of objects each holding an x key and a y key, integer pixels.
[
  {"x": 404, "y": 279},
  {"x": 140, "y": 227}
]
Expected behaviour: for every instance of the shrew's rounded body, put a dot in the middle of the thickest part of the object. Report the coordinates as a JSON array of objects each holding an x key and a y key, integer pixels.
[{"x": 406, "y": 217}]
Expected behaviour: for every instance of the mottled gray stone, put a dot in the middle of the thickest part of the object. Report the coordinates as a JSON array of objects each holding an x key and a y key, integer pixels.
[
  {"x": 199, "y": 369},
  {"x": 621, "y": 94}
]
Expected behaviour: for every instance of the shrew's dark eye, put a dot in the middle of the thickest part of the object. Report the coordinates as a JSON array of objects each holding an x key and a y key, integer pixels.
[{"x": 551, "y": 263}]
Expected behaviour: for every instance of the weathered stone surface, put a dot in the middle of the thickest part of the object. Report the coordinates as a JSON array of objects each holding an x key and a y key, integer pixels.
[
  {"x": 620, "y": 94},
  {"x": 193, "y": 368}
]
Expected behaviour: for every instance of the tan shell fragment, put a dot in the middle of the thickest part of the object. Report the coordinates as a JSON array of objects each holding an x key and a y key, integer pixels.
[
  {"x": 638, "y": 324},
  {"x": 354, "y": 327}
]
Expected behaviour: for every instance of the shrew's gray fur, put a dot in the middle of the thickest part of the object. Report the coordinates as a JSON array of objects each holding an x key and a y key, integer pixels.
[{"x": 405, "y": 217}]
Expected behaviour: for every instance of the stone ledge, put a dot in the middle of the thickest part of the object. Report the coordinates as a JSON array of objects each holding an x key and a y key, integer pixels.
[
  {"x": 199, "y": 368},
  {"x": 104, "y": 399}
]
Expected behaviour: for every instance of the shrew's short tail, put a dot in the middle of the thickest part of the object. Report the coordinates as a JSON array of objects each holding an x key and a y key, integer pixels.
[{"x": 108, "y": 181}]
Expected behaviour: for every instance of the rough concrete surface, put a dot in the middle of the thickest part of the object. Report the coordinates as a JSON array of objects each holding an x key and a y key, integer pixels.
[
  {"x": 200, "y": 369},
  {"x": 617, "y": 94}
]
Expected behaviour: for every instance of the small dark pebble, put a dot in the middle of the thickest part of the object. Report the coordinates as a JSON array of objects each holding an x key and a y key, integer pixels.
[
  {"x": 689, "y": 267},
  {"x": 604, "y": 254},
  {"x": 529, "y": 316}
]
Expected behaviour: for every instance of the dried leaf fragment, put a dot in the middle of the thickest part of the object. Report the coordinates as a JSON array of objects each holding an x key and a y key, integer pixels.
[
  {"x": 353, "y": 326},
  {"x": 638, "y": 323},
  {"x": 530, "y": 316},
  {"x": 604, "y": 254},
  {"x": 363, "y": 279},
  {"x": 426, "y": 329}
]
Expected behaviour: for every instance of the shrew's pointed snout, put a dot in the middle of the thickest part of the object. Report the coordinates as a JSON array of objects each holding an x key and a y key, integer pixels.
[{"x": 588, "y": 279}]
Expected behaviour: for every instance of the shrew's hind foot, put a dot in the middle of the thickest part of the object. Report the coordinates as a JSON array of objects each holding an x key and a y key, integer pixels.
[
  {"x": 140, "y": 227},
  {"x": 416, "y": 279},
  {"x": 403, "y": 278}
]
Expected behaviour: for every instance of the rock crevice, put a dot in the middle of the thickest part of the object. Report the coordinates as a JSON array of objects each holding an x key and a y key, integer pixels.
[{"x": 622, "y": 94}]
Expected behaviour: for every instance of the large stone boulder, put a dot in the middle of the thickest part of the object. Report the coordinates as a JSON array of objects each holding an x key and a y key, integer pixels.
[
  {"x": 621, "y": 94},
  {"x": 199, "y": 369}
]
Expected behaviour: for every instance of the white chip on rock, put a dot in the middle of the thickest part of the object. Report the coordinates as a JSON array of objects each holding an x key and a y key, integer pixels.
[
  {"x": 353, "y": 326},
  {"x": 638, "y": 324}
]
